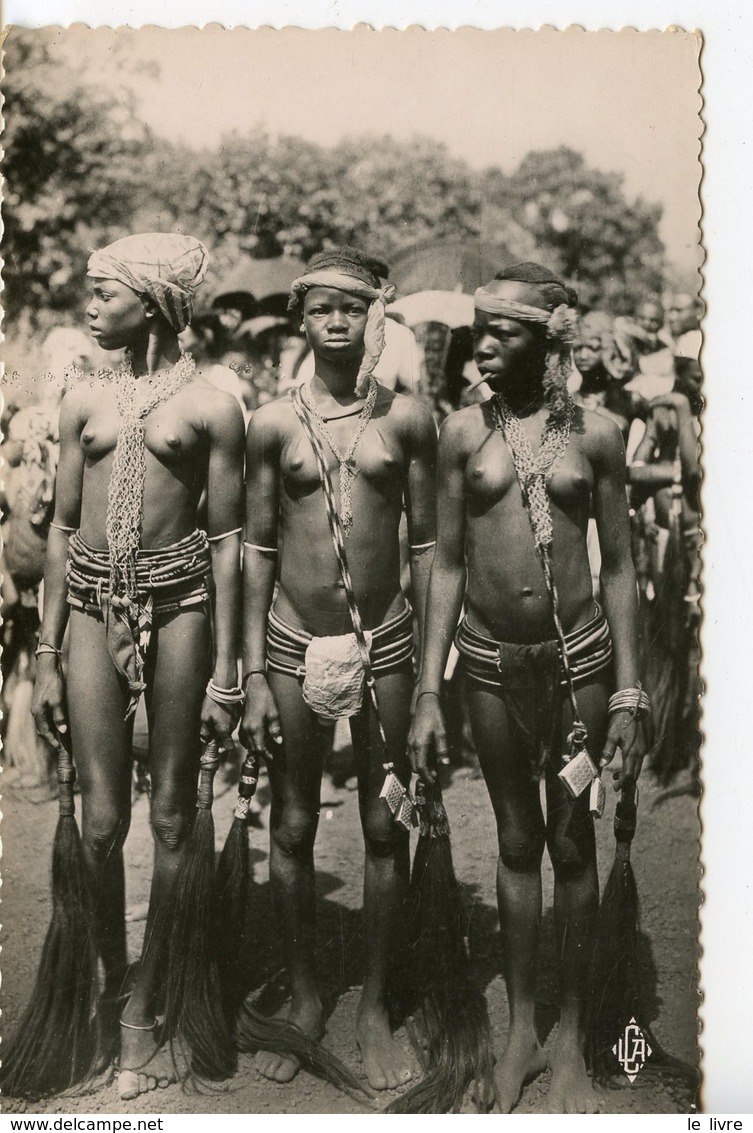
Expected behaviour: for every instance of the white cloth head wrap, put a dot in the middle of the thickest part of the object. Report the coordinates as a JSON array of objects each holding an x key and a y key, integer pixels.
[
  {"x": 166, "y": 266},
  {"x": 378, "y": 297}
]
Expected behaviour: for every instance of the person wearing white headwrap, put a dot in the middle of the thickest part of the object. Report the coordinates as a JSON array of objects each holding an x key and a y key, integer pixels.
[
  {"x": 300, "y": 666},
  {"x": 127, "y": 567}
]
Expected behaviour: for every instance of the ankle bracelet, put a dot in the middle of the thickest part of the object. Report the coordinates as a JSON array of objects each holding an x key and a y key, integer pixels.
[{"x": 138, "y": 1026}]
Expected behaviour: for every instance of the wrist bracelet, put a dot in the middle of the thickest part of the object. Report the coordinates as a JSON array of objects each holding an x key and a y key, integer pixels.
[
  {"x": 633, "y": 700},
  {"x": 427, "y": 692},
  {"x": 225, "y": 696},
  {"x": 45, "y": 647},
  {"x": 250, "y": 673}
]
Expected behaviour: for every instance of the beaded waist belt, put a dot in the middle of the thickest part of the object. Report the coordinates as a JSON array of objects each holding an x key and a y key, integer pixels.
[
  {"x": 167, "y": 579},
  {"x": 391, "y": 644}
]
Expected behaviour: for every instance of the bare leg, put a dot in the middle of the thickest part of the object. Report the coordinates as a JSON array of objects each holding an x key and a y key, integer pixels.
[
  {"x": 102, "y": 751},
  {"x": 570, "y": 837},
  {"x": 386, "y": 874},
  {"x": 295, "y": 779},
  {"x": 176, "y": 677},
  {"x": 520, "y": 832}
]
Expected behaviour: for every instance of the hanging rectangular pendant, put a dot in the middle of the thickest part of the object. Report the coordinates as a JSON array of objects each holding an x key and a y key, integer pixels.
[
  {"x": 393, "y": 792},
  {"x": 597, "y": 798},
  {"x": 578, "y": 773}
]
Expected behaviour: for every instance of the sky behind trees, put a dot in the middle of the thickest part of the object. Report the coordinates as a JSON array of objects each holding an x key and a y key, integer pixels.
[{"x": 628, "y": 101}]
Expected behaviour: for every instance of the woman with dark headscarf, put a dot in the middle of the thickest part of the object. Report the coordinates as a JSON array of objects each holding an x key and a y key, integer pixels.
[
  {"x": 128, "y": 568},
  {"x": 540, "y": 658}
]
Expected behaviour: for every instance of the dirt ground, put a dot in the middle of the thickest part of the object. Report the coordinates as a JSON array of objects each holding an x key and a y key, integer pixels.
[{"x": 665, "y": 858}]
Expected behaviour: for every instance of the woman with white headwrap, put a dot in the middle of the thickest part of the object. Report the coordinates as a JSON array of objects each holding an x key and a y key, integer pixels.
[
  {"x": 153, "y": 606},
  {"x": 346, "y": 450}
]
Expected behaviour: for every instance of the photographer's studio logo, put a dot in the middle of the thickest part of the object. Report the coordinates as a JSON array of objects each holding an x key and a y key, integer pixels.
[{"x": 632, "y": 1050}]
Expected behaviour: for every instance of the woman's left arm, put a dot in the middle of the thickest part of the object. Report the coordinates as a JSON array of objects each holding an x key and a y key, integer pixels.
[
  {"x": 619, "y": 592},
  {"x": 225, "y": 519}
]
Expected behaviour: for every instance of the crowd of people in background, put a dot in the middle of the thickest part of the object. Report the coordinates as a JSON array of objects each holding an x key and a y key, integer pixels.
[{"x": 641, "y": 370}]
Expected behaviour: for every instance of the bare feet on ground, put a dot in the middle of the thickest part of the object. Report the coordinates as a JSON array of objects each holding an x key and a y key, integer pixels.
[
  {"x": 144, "y": 1066},
  {"x": 384, "y": 1061},
  {"x": 571, "y": 1089},
  {"x": 306, "y": 1014},
  {"x": 522, "y": 1061}
]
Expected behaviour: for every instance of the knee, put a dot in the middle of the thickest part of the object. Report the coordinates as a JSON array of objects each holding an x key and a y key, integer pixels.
[
  {"x": 294, "y": 832},
  {"x": 570, "y": 857},
  {"x": 169, "y": 824},
  {"x": 519, "y": 851},
  {"x": 380, "y": 831},
  {"x": 103, "y": 831}
]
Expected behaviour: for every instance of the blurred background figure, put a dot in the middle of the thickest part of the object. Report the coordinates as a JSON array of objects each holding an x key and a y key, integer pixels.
[
  {"x": 599, "y": 382},
  {"x": 645, "y": 341},
  {"x": 30, "y": 456},
  {"x": 665, "y": 476},
  {"x": 684, "y": 322}
]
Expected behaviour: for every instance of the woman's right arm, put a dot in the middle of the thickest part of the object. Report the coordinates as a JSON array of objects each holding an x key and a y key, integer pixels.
[
  {"x": 444, "y": 602},
  {"x": 261, "y": 721},
  {"x": 48, "y": 704}
]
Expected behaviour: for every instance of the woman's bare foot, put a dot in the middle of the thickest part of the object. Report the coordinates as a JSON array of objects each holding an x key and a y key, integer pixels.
[
  {"x": 571, "y": 1089},
  {"x": 306, "y": 1014},
  {"x": 144, "y": 1065},
  {"x": 385, "y": 1063},
  {"x": 522, "y": 1061}
]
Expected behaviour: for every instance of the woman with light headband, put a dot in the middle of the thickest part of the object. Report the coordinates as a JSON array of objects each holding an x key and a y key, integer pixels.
[
  {"x": 339, "y": 566},
  {"x": 518, "y": 477},
  {"x": 136, "y": 580}
]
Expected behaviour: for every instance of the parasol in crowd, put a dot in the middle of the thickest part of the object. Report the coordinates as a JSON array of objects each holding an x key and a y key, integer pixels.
[
  {"x": 452, "y": 308},
  {"x": 447, "y": 265},
  {"x": 265, "y": 281}
]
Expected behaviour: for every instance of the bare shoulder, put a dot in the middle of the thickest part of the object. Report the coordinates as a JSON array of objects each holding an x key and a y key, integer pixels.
[
  {"x": 410, "y": 411},
  {"x": 216, "y": 407},
  {"x": 463, "y": 429},
  {"x": 274, "y": 419},
  {"x": 601, "y": 436},
  {"x": 83, "y": 392}
]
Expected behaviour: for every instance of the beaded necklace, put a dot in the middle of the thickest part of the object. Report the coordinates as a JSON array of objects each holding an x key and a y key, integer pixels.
[
  {"x": 125, "y": 492},
  {"x": 532, "y": 471},
  {"x": 346, "y": 462}
]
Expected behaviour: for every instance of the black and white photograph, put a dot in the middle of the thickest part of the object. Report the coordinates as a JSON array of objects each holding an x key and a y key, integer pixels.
[{"x": 352, "y": 587}]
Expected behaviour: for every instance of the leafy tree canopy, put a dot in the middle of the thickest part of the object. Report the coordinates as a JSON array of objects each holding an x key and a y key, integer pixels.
[{"x": 81, "y": 169}]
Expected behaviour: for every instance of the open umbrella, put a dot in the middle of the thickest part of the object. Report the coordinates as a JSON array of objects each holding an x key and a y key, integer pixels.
[
  {"x": 452, "y": 308},
  {"x": 267, "y": 281},
  {"x": 447, "y": 265}
]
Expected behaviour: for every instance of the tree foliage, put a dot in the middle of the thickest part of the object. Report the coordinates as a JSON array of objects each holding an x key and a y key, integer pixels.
[
  {"x": 583, "y": 224},
  {"x": 71, "y": 169},
  {"x": 81, "y": 169}
]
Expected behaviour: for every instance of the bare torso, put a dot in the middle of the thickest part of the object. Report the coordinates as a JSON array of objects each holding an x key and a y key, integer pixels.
[
  {"x": 176, "y": 448},
  {"x": 506, "y": 595},
  {"x": 311, "y": 593}
]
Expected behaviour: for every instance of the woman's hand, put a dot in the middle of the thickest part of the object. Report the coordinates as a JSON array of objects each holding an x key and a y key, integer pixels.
[
  {"x": 48, "y": 702},
  {"x": 427, "y": 739},
  {"x": 628, "y": 733},
  {"x": 218, "y": 722},
  {"x": 260, "y": 727}
]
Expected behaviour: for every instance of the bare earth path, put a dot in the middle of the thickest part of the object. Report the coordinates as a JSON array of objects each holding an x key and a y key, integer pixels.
[{"x": 666, "y": 867}]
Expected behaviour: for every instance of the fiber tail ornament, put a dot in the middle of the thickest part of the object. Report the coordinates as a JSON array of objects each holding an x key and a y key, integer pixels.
[
  {"x": 615, "y": 985},
  {"x": 233, "y": 886},
  {"x": 56, "y": 1044},
  {"x": 256, "y": 1032},
  {"x": 450, "y": 1025},
  {"x": 194, "y": 1009}
]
